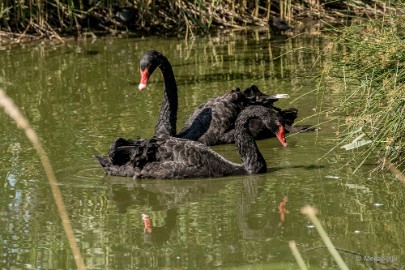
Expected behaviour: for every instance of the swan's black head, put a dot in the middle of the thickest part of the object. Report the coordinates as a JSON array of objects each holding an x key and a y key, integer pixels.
[
  {"x": 269, "y": 117},
  {"x": 275, "y": 123},
  {"x": 149, "y": 62}
]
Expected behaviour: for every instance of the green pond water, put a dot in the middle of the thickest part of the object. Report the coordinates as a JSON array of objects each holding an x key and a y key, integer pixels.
[{"x": 81, "y": 95}]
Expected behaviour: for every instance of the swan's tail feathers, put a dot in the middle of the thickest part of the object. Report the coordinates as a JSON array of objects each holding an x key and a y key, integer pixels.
[
  {"x": 279, "y": 96},
  {"x": 256, "y": 97},
  {"x": 104, "y": 161},
  {"x": 135, "y": 153},
  {"x": 122, "y": 150}
]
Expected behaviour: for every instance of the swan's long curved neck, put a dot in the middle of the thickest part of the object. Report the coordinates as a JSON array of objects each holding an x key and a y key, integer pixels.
[
  {"x": 168, "y": 112},
  {"x": 252, "y": 159}
]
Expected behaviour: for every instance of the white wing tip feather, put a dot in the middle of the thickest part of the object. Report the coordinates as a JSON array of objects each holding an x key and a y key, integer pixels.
[{"x": 280, "y": 96}]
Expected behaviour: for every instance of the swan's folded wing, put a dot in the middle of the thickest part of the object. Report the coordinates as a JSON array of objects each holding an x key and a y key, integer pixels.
[
  {"x": 169, "y": 170},
  {"x": 136, "y": 152},
  {"x": 181, "y": 158},
  {"x": 223, "y": 111}
]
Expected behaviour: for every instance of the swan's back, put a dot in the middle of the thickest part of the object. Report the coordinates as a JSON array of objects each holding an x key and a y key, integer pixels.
[
  {"x": 219, "y": 126},
  {"x": 166, "y": 157},
  {"x": 224, "y": 111}
]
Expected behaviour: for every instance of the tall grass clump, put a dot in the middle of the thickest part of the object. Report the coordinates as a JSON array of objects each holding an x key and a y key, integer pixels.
[{"x": 372, "y": 59}]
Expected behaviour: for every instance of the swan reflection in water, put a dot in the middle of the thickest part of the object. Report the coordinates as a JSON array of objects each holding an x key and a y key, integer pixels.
[{"x": 158, "y": 205}]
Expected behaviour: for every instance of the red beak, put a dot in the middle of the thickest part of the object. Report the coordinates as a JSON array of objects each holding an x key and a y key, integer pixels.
[
  {"x": 144, "y": 79},
  {"x": 281, "y": 135}
]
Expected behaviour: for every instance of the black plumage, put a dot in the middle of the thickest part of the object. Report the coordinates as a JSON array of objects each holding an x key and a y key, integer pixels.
[
  {"x": 213, "y": 122},
  {"x": 169, "y": 157}
]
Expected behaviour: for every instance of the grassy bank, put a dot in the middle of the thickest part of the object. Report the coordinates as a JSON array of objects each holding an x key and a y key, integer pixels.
[
  {"x": 372, "y": 59},
  {"x": 53, "y": 19}
]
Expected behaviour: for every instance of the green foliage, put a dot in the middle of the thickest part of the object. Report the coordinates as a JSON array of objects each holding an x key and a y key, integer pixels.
[{"x": 373, "y": 55}]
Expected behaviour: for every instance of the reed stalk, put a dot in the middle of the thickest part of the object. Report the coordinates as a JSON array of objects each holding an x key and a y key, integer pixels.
[
  {"x": 12, "y": 110},
  {"x": 297, "y": 255},
  {"x": 282, "y": 14},
  {"x": 311, "y": 212},
  {"x": 268, "y": 6},
  {"x": 289, "y": 10}
]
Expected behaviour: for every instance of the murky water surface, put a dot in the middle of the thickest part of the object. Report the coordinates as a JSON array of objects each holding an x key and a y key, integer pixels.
[{"x": 80, "y": 96}]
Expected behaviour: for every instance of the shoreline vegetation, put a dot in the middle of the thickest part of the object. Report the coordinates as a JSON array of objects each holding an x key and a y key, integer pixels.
[
  {"x": 30, "y": 20},
  {"x": 372, "y": 59}
]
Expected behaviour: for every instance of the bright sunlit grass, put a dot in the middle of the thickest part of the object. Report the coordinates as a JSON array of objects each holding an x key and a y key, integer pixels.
[{"x": 372, "y": 59}]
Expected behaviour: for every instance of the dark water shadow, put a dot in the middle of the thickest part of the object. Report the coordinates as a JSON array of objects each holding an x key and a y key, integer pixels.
[{"x": 307, "y": 167}]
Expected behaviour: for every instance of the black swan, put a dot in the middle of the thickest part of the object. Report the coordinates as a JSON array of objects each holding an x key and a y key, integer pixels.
[
  {"x": 164, "y": 156},
  {"x": 213, "y": 122}
]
